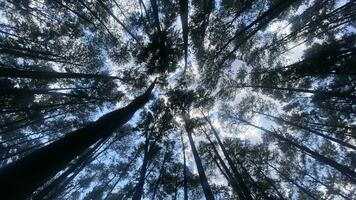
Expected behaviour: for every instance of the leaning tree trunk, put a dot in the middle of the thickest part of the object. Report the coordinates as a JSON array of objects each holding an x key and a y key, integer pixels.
[
  {"x": 16, "y": 73},
  {"x": 185, "y": 181},
  {"x": 21, "y": 178},
  {"x": 203, "y": 180},
  {"x": 159, "y": 179},
  {"x": 310, "y": 130},
  {"x": 351, "y": 174},
  {"x": 139, "y": 187},
  {"x": 237, "y": 174},
  {"x": 183, "y": 8},
  {"x": 230, "y": 178}
]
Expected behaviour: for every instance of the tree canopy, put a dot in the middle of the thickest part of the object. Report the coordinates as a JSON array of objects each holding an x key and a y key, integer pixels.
[{"x": 179, "y": 99}]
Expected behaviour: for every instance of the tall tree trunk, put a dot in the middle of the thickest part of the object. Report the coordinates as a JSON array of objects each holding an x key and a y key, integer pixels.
[
  {"x": 155, "y": 15},
  {"x": 161, "y": 171},
  {"x": 237, "y": 174},
  {"x": 102, "y": 4},
  {"x": 183, "y": 4},
  {"x": 122, "y": 173},
  {"x": 310, "y": 130},
  {"x": 294, "y": 182},
  {"x": 280, "y": 195},
  {"x": 48, "y": 189},
  {"x": 273, "y": 12},
  {"x": 17, "y": 73},
  {"x": 329, "y": 94},
  {"x": 228, "y": 173},
  {"x": 21, "y": 178},
  {"x": 185, "y": 181},
  {"x": 139, "y": 187},
  {"x": 23, "y": 91},
  {"x": 341, "y": 168},
  {"x": 203, "y": 180}
]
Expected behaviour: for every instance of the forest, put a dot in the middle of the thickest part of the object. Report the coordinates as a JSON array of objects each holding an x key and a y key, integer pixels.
[{"x": 178, "y": 99}]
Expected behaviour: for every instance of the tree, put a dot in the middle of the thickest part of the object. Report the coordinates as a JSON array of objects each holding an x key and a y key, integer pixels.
[
  {"x": 253, "y": 99},
  {"x": 34, "y": 173}
]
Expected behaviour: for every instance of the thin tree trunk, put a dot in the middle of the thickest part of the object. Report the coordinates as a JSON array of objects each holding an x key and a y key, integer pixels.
[
  {"x": 262, "y": 20},
  {"x": 155, "y": 15},
  {"x": 139, "y": 187},
  {"x": 341, "y": 168},
  {"x": 310, "y": 130},
  {"x": 203, "y": 180},
  {"x": 121, "y": 175},
  {"x": 238, "y": 176},
  {"x": 185, "y": 181},
  {"x": 107, "y": 9},
  {"x": 17, "y": 73},
  {"x": 159, "y": 177},
  {"x": 280, "y": 195},
  {"x": 51, "y": 186},
  {"x": 314, "y": 92},
  {"x": 22, "y": 91},
  {"x": 294, "y": 183},
  {"x": 183, "y": 4},
  {"x": 228, "y": 173},
  {"x": 20, "y": 179}
]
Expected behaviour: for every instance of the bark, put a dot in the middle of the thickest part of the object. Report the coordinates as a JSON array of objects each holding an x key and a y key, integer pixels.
[
  {"x": 16, "y": 73},
  {"x": 227, "y": 173},
  {"x": 314, "y": 92},
  {"x": 21, "y": 178},
  {"x": 203, "y": 179},
  {"x": 185, "y": 182},
  {"x": 184, "y": 19},
  {"x": 24, "y": 91},
  {"x": 280, "y": 195},
  {"x": 311, "y": 131},
  {"x": 294, "y": 183},
  {"x": 51, "y": 186},
  {"x": 139, "y": 187},
  {"x": 107, "y": 9},
  {"x": 155, "y": 15},
  {"x": 238, "y": 176},
  {"x": 341, "y": 168},
  {"x": 273, "y": 12},
  {"x": 161, "y": 171}
]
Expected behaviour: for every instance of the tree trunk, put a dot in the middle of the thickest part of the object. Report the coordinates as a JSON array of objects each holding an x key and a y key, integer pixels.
[
  {"x": 311, "y": 131},
  {"x": 119, "y": 21},
  {"x": 155, "y": 15},
  {"x": 16, "y": 73},
  {"x": 280, "y": 195},
  {"x": 273, "y": 12},
  {"x": 238, "y": 176},
  {"x": 294, "y": 183},
  {"x": 227, "y": 174},
  {"x": 24, "y": 91},
  {"x": 139, "y": 187},
  {"x": 314, "y": 92},
  {"x": 57, "y": 182},
  {"x": 341, "y": 168},
  {"x": 185, "y": 182},
  {"x": 159, "y": 176},
  {"x": 183, "y": 4},
  {"x": 203, "y": 180},
  {"x": 18, "y": 180}
]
